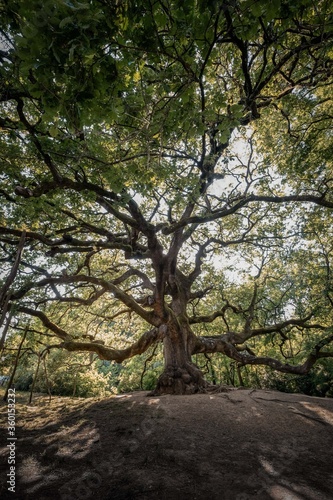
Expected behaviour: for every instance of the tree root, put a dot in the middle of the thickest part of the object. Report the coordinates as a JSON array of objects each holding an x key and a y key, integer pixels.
[{"x": 184, "y": 380}]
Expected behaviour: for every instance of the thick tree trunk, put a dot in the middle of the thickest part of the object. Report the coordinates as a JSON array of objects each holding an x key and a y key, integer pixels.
[{"x": 180, "y": 375}]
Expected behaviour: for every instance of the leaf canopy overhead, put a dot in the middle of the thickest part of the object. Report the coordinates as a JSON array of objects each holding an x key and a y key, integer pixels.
[{"x": 162, "y": 147}]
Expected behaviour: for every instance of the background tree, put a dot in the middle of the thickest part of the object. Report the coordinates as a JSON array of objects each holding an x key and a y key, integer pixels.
[{"x": 169, "y": 164}]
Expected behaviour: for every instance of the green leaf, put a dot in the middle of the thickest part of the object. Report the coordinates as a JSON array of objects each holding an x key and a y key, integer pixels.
[{"x": 65, "y": 21}]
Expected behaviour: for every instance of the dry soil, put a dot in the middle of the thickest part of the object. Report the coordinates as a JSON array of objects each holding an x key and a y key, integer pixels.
[{"x": 235, "y": 444}]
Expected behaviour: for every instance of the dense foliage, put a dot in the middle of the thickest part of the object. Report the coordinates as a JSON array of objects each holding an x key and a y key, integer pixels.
[{"x": 166, "y": 178}]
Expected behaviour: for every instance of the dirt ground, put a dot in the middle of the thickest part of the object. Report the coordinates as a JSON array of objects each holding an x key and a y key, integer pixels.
[{"x": 236, "y": 444}]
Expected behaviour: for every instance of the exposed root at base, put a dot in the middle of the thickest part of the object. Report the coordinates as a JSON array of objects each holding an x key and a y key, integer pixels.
[
  {"x": 181, "y": 381},
  {"x": 216, "y": 389}
]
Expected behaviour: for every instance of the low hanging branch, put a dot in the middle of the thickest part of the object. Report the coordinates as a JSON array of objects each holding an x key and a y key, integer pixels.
[
  {"x": 104, "y": 352},
  {"x": 223, "y": 345},
  {"x": 118, "y": 355},
  {"x": 106, "y": 285}
]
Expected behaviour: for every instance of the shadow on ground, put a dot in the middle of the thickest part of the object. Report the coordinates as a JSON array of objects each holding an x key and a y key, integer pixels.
[{"x": 239, "y": 444}]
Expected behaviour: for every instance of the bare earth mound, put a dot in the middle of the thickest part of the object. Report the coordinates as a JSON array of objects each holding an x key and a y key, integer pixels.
[{"x": 237, "y": 444}]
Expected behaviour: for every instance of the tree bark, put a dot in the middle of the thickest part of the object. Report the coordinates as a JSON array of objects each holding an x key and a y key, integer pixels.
[{"x": 180, "y": 375}]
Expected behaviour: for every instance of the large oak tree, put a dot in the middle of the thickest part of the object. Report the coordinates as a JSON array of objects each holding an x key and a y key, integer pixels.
[{"x": 172, "y": 161}]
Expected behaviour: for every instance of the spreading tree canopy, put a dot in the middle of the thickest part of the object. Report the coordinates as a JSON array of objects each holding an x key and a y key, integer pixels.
[{"x": 169, "y": 161}]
